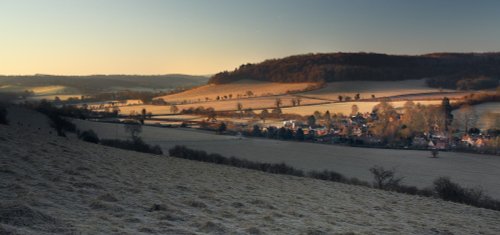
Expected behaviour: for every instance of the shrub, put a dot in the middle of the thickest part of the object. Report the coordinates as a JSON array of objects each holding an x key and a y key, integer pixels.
[
  {"x": 450, "y": 191},
  {"x": 327, "y": 175},
  {"x": 89, "y": 136},
  {"x": 3, "y": 116},
  {"x": 137, "y": 144}
]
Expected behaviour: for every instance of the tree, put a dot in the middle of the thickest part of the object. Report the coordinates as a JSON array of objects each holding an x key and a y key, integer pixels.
[
  {"x": 386, "y": 124},
  {"x": 340, "y": 98},
  {"x": 311, "y": 121},
  {"x": 299, "y": 135},
  {"x": 211, "y": 115},
  {"x": 222, "y": 128},
  {"x": 354, "y": 110},
  {"x": 298, "y": 101},
  {"x": 277, "y": 112},
  {"x": 256, "y": 131},
  {"x": 317, "y": 115},
  {"x": 384, "y": 179},
  {"x": 133, "y": 128},
  {"x": 328, "y": 120},
  {"x": 278, "y": 103},
  {"x": 143, "y": 115},
  {"x": 249, "y": 93},
  {"x": 357, "y": 96},
  {"x": 282, "y": 133},
  {"x": 447, "y": 112},
  {"x": 239, "y": 107},
  {"x": 116, "y": 111},
  {"x": 465, "y": 117},
  {"x": 174, "y": 109},
  {"x": 263, "y": 115}
]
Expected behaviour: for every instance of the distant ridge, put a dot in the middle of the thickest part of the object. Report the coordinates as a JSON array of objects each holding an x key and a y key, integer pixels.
[
  {"x": 93, "y": 83},
  {"x": 329, "y": 67}
]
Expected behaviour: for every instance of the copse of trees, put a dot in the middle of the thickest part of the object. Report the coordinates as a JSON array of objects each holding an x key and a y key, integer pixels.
[{"x": 331, "y": 67}]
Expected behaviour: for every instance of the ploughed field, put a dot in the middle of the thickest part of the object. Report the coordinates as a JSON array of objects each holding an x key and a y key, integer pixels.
[
  {"x": 56, "y": 185},
  {"x": 417, "y": 167}
]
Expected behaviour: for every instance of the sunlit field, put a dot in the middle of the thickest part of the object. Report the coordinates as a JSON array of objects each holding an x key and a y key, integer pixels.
[
  {"x": 346, "y": 107},
  {"x": 37, "y": 90},
  {"x": 225, "y": 105},
  {"x": 235, "y": 89}
]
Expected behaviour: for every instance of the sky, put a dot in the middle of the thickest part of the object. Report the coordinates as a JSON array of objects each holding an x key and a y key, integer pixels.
[{"x": 201, "y": 37}]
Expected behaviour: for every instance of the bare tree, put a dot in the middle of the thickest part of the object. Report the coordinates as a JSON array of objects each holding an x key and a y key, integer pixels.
[
  {"x": 174, "y": 109},
  {"x": 384, "y": 179},
  {"x": 278, "y": 103},
  {"x": 133, "y": 128},
  {"x": 239, "y": 107}
]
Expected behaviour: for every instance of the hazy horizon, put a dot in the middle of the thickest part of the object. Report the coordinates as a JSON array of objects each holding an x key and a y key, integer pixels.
[{"x": 196, "y": 37}]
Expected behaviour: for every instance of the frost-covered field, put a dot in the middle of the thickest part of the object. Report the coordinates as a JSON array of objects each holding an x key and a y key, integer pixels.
[
  {"x": 368, "y": 88},
  {"x": 54, "y": 185},
  {"x": 473, "y": 170}
]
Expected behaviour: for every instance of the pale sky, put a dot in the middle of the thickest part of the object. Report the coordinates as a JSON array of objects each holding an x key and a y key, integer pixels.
[{"x": 79, "y": 37}]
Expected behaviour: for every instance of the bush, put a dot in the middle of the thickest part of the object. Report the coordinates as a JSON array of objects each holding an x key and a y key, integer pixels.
[
  {"x": 274, "y": 168},
  {"x": 137, "y": 144},
  {"x": 327, "y": 175},
  {"x": 89, "y": 136},
  {"x": 3, "y": 116},
  {"x": 450, "y": 191}
]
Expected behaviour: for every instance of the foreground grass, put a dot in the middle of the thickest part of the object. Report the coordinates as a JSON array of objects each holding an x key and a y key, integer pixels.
[{"x": 443, "y": 187}]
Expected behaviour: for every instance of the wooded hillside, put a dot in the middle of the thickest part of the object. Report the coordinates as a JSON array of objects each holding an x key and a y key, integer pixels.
[{"x": 441, "y": 67}]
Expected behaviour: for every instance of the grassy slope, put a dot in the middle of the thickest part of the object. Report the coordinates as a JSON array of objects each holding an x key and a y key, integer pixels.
[{"x": 55, "y": 185}]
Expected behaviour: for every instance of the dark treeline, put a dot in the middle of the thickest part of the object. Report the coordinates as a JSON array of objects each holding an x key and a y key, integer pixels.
[
  {"x": 370, "y": 66},
  {"x": 384, "y": 179}
]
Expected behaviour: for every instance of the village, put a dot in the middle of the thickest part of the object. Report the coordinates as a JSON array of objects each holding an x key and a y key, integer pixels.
[{"x": 413, "y": 126}]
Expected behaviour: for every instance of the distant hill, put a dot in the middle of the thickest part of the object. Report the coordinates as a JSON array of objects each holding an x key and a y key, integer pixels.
[
  {"x": 445, "y": 69},
  {"x": 97, "y": 83}
]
